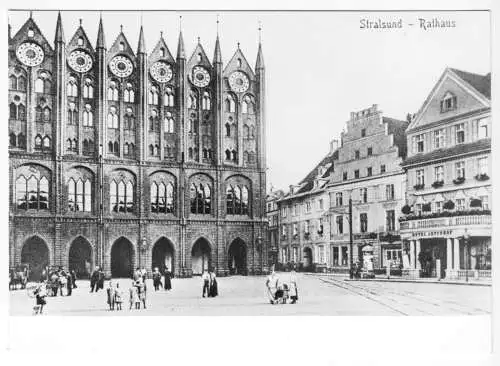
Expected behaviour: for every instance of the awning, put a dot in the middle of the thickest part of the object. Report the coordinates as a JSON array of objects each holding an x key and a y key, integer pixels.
[{"x": 438, "y": 198}]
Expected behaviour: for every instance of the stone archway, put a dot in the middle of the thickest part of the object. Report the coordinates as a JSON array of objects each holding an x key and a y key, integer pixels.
[
  {"x": 80, "y": 257},
  {"x": 163, "y": 255},
  {"x": 122, "y": 258},
  {"x": 201, "y": 258},
  {"x": 35, "y": 253},
  {"x": 237, "y": 257}
]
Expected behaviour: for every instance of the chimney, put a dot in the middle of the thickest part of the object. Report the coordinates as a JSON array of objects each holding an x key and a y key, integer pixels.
[
  {"x": 334, "y": 145},
  {"x": 291, "y": 189}
]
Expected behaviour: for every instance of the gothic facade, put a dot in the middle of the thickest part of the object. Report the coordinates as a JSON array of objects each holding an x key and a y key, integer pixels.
[{"x": 128, "y": 159}]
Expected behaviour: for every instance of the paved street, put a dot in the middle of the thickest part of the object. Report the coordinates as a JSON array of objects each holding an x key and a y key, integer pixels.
[{"x": 247, "y": 296}]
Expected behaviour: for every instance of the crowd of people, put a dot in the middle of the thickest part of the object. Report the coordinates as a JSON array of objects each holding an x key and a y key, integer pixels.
[{"x": 279, "y": 290}]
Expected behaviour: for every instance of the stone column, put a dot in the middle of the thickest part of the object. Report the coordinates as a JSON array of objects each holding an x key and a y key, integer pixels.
[
  {"x": 412, "y": 254},
  {"x": 456, "y": 254},
  {"x": 417, "y": 252},
  {"x": 449, "y": 256}
]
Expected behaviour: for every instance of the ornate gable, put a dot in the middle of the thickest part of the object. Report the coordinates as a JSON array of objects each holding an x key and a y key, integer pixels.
[
  {"x": 199, "y": 57},
  {"x": 80, "y": 40},
  {"x": 161, "y": 52},
  {"x": 121, "y": 46},
  {"x": 239, "y": 62},
  {"x": 451, "y": 96},
  {"x": 30, "y": 32}
]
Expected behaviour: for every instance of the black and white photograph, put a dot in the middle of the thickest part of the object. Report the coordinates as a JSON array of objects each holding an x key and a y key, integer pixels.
[{"x": 229, "y": 163}]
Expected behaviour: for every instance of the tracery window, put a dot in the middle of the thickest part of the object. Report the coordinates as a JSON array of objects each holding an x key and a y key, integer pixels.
[
  {"x": 72, "y": 88},
  {"x": 230, "y": 105},
  {"x": 237, "y": 199},
  {"x": 88, "y": 89},
  {"x": 72, "y": 113},
  {"x": 162, "y": 197},
  {"x": 200, "y": 198},
  {"x": 169, "y": 123},
  {"x": 153, "y": 95},
  {"x": 129, "y": 94},
  {"x": 122, "y": 196},
  {"x": 112, "y": 118},
  {"x": 205, "y": 102},
  {"x": 113, "y": 91},
  {"x": 169, "y": 97},
  {"x": 88, "y": 116},
  {"x": 32, "y": 193},
  {"x": 80, "y": 195}
]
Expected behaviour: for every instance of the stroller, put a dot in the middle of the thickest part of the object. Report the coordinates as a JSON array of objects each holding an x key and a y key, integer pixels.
[{"x": 281, "y": 295}]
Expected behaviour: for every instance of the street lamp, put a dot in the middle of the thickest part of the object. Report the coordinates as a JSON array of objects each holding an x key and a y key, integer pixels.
[{"x": 467, "y": 260}]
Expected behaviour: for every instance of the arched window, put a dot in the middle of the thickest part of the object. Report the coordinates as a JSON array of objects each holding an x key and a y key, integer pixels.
[
  {"x": 38, "y": 142},
  {"x": 200, "y": 199},
  {"x": 229, "y": 200},
  {"x": 85, "y": 147},
  {"x": 205, "y": 103},
  {"x": 246, "y": 131},
  {"x": 88, "y": 89},
  {"x": 169, "y": 97},
  {"x": 237, "y": 200},
  {"x": 154, "y": 124},
  {"x": 170, "y": 198},
  {"x": 72, "y": 114},
  {"x": 192, "y": 99},
  {"x": 122, "y": 46},
  {"x": 32, "y": 193},
  {"x": 46, "y": 114},
  {"x": 228, "y": 155},
  {"x": 132, "y": 150},
  {"x": 244, "y": 200},
  {"x": 151, "y": 150},
  {"x": 72, "y": 89},
  {"x": 235, "y": 155},
  {"x": 162, "y": 198},
  {"x": 157, "y": 150},
  {"x": 110, "y": 147},
  {"x": 116, "y": 148},
  {"x": 21, "y": 83},
  {"x": 38, "y": 114},
  {"x": 12, "y": 82},
  {"x": 46, "y": 143},
  {"x": 113, "y": 91},
  {"x": 153, "y": 96},
  {"x": 12, "y": 139},
  {"x": 252, "y": 132},
  {"x": 126, "y": 149},
  {"x": 162, "y": 52},
  {"x": 112, "y": 118},
  {"x": 80, "y": 41},
  {"x": 39, "y": 85},
  {"x": 154, "y": 197},
  {"x": 88, "y": 117},
  {"x": 21, "y": 141},
  {"x": 230, "y": 105},
  {"x": 21, "y": 112},
  {"x": 122, "y": 196},
  {"x": 47, "y": 86},
  {"x": 245, "y": 157},
  {"x": 207, "y": 199},
  {"x": 204, "y": 153},
  {"x": 190, "y": 153},
  {"x": 128, "y": 94},
  {"x": 169, "y": 123},
  {"x": 228, "y": 130},
  {"x": 12, "y": 111}
]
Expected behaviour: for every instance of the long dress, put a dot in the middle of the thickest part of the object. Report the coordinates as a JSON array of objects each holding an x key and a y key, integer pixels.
[
  {"x": 168, "y": 282},
  {"x": 213, "y": 290}
]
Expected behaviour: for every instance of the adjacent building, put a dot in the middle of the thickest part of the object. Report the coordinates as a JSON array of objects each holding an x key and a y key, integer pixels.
[
  {"x": 447, "y": 222},
  {"x": 368, "y": 172},
  {"x": 304, "y": 232},
  {"x": 123, "y": 157},
  {"x": 273, "y": 217}
]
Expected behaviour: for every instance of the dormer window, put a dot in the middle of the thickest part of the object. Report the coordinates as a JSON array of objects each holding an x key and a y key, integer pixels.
[
  {"x": 448, "y": 103},
  {"x": 80, "y": 41}
]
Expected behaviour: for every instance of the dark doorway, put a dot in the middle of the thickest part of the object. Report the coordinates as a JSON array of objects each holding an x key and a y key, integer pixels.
[
  {"x": 200, "y": 256},
  {"x": 307, "y": 260},
  {"x": 163, "y": 255},
  {"x": 35, "y": 253},
  {"x": 237, "y": 257},
  {"x": 80, "y": 257},
  {"x": 122, "y": 258},
  {"x": 432, "y": 250}
]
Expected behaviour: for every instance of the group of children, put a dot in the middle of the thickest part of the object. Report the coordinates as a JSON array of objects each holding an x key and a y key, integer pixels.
[{"x": 137, "y": 295}]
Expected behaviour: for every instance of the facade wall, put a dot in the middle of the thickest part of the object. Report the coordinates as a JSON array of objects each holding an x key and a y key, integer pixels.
[{"x": 142, "y": 123}]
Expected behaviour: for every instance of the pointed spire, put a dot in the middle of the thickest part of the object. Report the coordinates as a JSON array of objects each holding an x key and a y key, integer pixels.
[
  {"x": 31, "y": 14},
  {"x": 141, "y": 48},
  {"x": 217, "y": 53},
  {"x": 181, "y": 54},
  {"x": 59, "y": 30},
  {"x": 10, "y": 30},
  {"x": 101, "y": 42},
  {"x": 259, "y": 64}
]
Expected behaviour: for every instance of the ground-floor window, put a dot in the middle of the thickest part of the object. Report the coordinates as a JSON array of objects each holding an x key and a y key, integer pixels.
[
  {"x": 321, "y": 254},
  {"x": 392, "y": 257},
  {"x": 283, "y": 255},
  {"x": 295, "y": 254},
  {"x": 335, "y": 259},
  {"x": 344, "y": 256}
]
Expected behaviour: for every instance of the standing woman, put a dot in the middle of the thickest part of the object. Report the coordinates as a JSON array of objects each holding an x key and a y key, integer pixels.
[
  {"x": 213, "y": 290},
  {"x": 156, "y": 279},
  {"x": 294, "y": 293},
  {"x": 168, "y": 282}
]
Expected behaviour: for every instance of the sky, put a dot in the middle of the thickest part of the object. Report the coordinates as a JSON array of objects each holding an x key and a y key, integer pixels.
[{"x": 320, "y": 66}]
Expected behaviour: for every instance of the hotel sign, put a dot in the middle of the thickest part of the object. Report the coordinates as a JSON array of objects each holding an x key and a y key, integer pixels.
[{"x": 432, "y": 234}]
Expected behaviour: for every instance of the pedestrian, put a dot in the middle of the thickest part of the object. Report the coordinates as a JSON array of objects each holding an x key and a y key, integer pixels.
[
  {"x": 41, "y": 295},
  {"x": 143, "y": 274},
  {"x": 54, "y": 281},
  {"x": 142, "y": 294},
  {"x": 294, "y": 293},
  {"x": 214, "y": 291},
  {"x": 205, "y": 277},
  {"x": 168, "y": 283},
  {"x": 272, "y": 287},
  {"x": 137, "y": 274},
  {"x": 94, "y": 278},
  {"x": 100, "y": 281},
  {"x": 132, "y": 295},
  {"x": 156, "y": 279},
  {"x": 118, "y": 297},
  {"x": 69, "y": 284},
  {"x": 111, "y": 296},
  {"x": 73, "y": 278}
]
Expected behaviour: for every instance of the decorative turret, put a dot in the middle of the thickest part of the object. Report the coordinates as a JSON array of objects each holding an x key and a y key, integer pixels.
[
  {"x": 181, "y": 54},
  {"x": 59, "y": 30},
  {"x": 141, "y": 47},
  {"x": 101, "y": 42}
]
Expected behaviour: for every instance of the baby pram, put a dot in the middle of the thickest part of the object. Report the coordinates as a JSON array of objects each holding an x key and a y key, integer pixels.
[{"x": 281, "y": 295}]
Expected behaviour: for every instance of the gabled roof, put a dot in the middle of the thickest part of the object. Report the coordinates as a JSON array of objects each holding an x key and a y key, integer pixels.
[
  {"x": 482, "y": 83},
  {"x": 478, "y": 85},
  {"x": 156, "y": 55},
  {"x": 80, "y": 33},
  {"x": 307, "y": 184},
  {"x": 233, "y": 64},
  {"x": 115, "y": 48},
  {"x": 204, "y": 59},
  {"x": 38, "y": 36}
]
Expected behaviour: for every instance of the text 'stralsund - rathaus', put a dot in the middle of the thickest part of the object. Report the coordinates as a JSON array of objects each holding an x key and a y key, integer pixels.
[{"x": 124, "y": 159}]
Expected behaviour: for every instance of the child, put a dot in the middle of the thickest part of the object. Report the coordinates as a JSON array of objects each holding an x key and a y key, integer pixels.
[
  {"x": 41, "y": 294},
  {"x": 111, "y": 296},
  {"x": 118, "y": 297}
]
